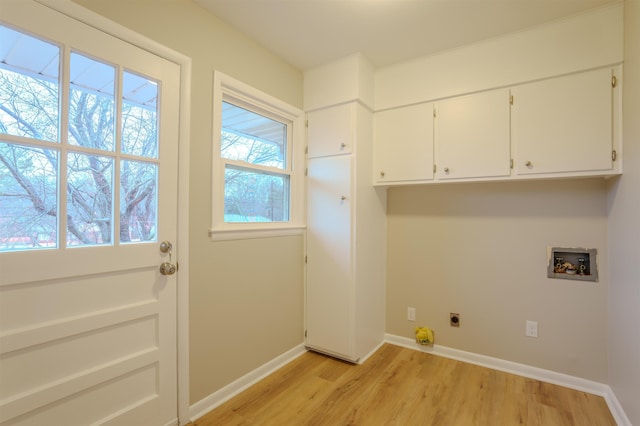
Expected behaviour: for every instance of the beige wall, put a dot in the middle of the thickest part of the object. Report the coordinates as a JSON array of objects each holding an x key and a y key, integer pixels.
[
  {"x": 246, "y": 297},
  {"x": 480, "y": 250},
  {"x": 624, "y": 236}
]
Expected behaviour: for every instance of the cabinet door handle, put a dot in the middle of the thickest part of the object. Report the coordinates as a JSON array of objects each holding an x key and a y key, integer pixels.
[
  {"x": 446, "y": 170},
  {"x": 528, "y": 164},
  {"x": 382, "y": 174},
  {"x": 343, "y": 145},
  {"x": 344, "y": 197}
]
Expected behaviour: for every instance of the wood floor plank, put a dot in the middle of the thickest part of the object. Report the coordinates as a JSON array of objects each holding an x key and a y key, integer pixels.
[{"x": 403, "y": 387}]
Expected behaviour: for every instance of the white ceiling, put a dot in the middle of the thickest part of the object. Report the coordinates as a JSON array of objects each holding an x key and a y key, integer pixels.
[{"x": 308, "y": 33}]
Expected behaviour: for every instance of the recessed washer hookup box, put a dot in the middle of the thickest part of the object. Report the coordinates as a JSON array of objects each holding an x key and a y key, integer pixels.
[{"x": 573, "y": 264}]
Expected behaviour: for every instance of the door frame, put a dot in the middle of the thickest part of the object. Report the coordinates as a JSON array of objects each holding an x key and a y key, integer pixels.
[{"x": 99, "y": 22}]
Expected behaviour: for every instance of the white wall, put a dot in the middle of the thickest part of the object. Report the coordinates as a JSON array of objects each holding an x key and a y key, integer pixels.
[
  {"x": 624, "y": 236},
  {"x": 481, "y": 249}
]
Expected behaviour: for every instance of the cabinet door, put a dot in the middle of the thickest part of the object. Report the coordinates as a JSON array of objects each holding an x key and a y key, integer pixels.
[
  {"x": 403, "y": 144},
  {"x": 564, "y": 124},
  {"x": 472, "y": 137},
  {"x": 329, "y": 299},
  {"x": 330, "y": 131}
]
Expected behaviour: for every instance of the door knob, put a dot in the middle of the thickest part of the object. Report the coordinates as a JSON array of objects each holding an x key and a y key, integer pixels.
[
  {"x": 167, "y": 268},
  {"x": 166, "y": 246}
]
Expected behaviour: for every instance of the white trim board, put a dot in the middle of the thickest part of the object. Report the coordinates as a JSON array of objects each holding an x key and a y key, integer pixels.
[
  {"x": 221, "y": 396},
  {"x": 543, "y": 375}
]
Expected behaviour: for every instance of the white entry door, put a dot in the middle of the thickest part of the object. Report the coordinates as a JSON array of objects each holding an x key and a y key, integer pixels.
[{"x": 88, "y": 190}]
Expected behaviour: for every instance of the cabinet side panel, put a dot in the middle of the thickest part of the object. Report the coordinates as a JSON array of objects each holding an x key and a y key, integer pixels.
[{"x": 370, "y": 243}]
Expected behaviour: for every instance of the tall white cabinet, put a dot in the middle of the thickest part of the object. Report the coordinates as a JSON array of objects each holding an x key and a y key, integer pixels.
[{"x": 346, "y": 232}]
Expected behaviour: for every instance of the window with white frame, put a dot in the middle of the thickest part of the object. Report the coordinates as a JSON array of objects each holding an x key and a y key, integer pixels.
[{"x": 258, "y": 163}]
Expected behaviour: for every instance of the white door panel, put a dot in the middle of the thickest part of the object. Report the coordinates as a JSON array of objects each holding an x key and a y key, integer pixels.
[
  {"x": 472, "y": 136},
  {"x": 329, "y": 247},
  {"x": 564, "y": 125},
  {"x": 330, "y": 131},
  {"x": 403, "y": 144},
  {"x": 88, "y": 334}
]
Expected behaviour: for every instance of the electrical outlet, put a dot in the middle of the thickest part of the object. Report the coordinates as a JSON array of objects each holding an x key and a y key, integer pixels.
[
  {"x": 532, "y": 328},
  {"x": 454, "y": 319},
  {"x": 411, "y": 314}
]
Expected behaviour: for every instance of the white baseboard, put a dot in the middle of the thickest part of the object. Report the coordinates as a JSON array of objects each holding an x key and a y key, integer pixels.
[
  {"x": 217, "y": 398},
  {"x": 373, "y": 351},
  {"x": 543, "y": 375},
  {"x": 616, "y": 409}
]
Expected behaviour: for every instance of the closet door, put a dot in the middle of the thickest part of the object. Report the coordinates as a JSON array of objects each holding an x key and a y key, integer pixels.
[{"x": 329, "y": 296}]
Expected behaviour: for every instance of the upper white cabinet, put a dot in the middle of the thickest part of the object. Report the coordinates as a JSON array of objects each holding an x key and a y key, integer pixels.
[
  {"x": 403, "y": 144},
  {"x": 564, "y": 125},
  {"x": 472, "y": 136},
  {"x": 558, "y": 127},
  {"x": 330, "y": 131}
]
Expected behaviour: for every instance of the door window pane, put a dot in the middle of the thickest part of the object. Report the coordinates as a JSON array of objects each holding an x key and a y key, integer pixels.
[
  {"x": 91, "y": 103},
  {"x": 89, "y": 200},
  {"x": 28, "y": 198},
  {"x": 255, "y": 197},
  {"x": 252, "y": 138},
  {"x": 29, "y": 86},
  {"x": 138, "y": 201},
  {"x": 139, "y": 116}
]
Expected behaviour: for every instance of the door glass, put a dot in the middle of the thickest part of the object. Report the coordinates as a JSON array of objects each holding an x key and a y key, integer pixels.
[
  {"x": 139, "y": 116},
  {"x": 28, "y": 197},
  {"x": 89, "y": 200},
  {"x": 29, "y": 86},
  {"x": 91, "y": 105},
  {"x": 138, "y": 201}
]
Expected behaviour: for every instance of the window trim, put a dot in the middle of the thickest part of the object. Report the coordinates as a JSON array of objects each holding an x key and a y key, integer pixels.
[{"x": 226, "y": 88}]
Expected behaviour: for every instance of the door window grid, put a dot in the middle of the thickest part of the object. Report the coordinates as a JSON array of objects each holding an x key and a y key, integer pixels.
[{"x": 101, "y": 168}]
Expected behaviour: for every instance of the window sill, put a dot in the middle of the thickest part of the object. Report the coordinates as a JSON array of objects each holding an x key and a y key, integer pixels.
[{"x": 247, "y": 234}]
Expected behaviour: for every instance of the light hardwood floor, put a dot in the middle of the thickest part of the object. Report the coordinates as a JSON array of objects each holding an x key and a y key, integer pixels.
[{"x": 403, "y": 387}]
